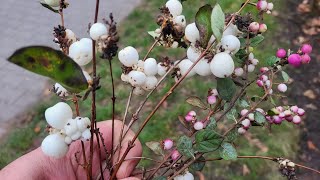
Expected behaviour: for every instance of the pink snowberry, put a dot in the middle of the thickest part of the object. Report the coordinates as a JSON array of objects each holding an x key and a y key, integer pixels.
[
  {"x": 264, "y": 69},
  {"x": 192, "y": 113},
  {"x": 301, "y": 112},
  {"x": 305, "y": 59},
  {"x": 188, "y": 118},
  {"x": 238, "y": 72},
  {"x": 264, "y": 78},
  {"x": 244, "y": 112},
  {"x": 260, "y": 83},
  {"x": 263, "y": 28},
  {"x": 306, "y": 48},
  {"x": 280, "y": 108},
  {"x": 281, "y": 53},
  {"x": 277, "y": 119},
  {"x": 287, "y": 113},
  {"x": 262, "y": 5},
  {"x": 167, "y": 144},
  {"x": 282, "y": 115},
  {"x": 294, "y": 109},
  {"x": 246, "y": 123},
  {"x": 175, "y": 155},
  {"x": 241, "y": 130},
  {"x": 289, "y": 118},
  {"x": 212, "y": 99},
  {"x": 254, "y": 27},
  {"x": 296, "y": 119},
  {"x": 198, "y": 125},
  {"x": 294, "y": 60},
  {"x": 282, "y": 87}
]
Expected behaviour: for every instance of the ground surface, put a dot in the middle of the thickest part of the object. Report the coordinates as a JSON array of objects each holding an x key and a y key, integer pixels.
[{"x": 28, "y": 23}]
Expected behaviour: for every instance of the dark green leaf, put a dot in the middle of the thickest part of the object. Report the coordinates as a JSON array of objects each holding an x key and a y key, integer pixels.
[
  {"x": 285, "y": 76},
  {"x": 259, "y": 117},
  {"x": 198, "y": 165},
  {"x": 272, "y": 101},
  {"x": 243, "y": 103},
  {"x": 155, "y": 147},
  {"x": 232, "y": 135},
  {"x": 207, "y": 141},
  {"x": 272, "y": 60},
  {"x": 203, "y": 23},
  {"x": 226, "y": 88},
  {"x": 228, "y": 152},
  {"x": 256, "y": 40},
  {"x": 53, "y": 64},
  {"x": 212, "y": 124},
  {"x": 49, "y": 7},
  {"x": 273, "y": 112},
  {"x": 217, "y": 22},
  {"x": 184, "y": 146},
  {"x": 195, "y": 101}
]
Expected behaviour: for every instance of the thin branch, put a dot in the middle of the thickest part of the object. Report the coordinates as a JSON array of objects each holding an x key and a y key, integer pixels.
[{"x": 113, "y": 98}]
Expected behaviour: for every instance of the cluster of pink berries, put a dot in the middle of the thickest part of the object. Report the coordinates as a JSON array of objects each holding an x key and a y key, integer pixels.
[
  {"x": 212, "y": 96},
  {"x": 246, "y": 123},
  {"x": 167, "y": 144},
  {"x": 291, "y": 114},
  {"x": 264, "y": 6},
  {"x": 264, "y": 81},
  {"x": 191, "y": 117},
  {"x": 297, "y": 59},
  {"x": 258, "y": 27}
]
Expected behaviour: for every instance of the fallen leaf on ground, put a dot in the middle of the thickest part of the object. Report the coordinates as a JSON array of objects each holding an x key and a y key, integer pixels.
[
  {"x": 310, "y": 94},
  {"x": 245, "y": 170},
  {"x": 311, "y": 146}
]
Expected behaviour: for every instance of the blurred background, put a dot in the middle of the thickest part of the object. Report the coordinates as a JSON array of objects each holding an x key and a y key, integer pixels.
[{"x": 25, "y": 96}]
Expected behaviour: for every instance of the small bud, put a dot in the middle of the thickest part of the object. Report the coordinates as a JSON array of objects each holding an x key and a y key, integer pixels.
[
  {"x": 167, "y": 144},
  {"x": 212, "y": 99},
  {"x": 281, "y": 53}
]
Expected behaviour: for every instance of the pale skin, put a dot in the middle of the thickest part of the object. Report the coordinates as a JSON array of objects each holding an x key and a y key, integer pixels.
[{"x": 37, "y": 166}]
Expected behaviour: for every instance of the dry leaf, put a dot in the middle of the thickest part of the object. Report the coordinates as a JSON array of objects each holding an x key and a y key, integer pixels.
[
  {"x": 310, "y": 94},
  {"x": 312, "y": 147},
  {"x": 245, "y": 170}
]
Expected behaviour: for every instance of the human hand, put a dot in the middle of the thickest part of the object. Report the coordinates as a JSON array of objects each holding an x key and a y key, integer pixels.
[{"x": 36, "y": 165}]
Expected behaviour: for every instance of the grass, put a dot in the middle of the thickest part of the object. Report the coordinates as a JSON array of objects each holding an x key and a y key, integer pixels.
[{"x": 133, "y": 31}]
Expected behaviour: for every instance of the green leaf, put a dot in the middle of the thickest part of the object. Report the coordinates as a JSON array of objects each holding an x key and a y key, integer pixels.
[
  {"x": 198, "y": 165},
  {"x": 203, "y": 23},
  {"x": 49, "y": 7},
  {"x": 217, "y": 22},
  {"x": 160, "y": 178},
  {"x": 285, "y": 76},
  {"x": 231, "y": 136},
  {"x": 155, "y": 147},
  {"x": 212, "y": 124},
  {"x": 259, "y": 117},
  {"x": 243, "y": 103},
  {"x": 184, "y": 146},
  {"x": 272, "y": 101},
  {"x": 228, "y": 152},
  {"x": 53, "y": 64},
  {"x": 207, "y": 141},
  {"x": 271, "y": 61},
  {"x": 195, "y": 101},
  {"x": 256, "y": 40},
  {"x": 226, "y": 88}
]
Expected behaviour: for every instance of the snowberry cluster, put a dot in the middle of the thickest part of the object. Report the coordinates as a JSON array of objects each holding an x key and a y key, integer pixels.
[
  {"x": 264, "y": 6},
  {"x": 297, "y": 59},
  {"x": 142, "y": 74},
  {"x": 191, "y": 117},
  {"x": 63, "y": 130},
  {"x": 186, "y": 176},
  {"x": 291, "y": 114},
  {"x": 256, "y": 27},
  {"x": 264, "y": 82},
  {"x": 246, "y": 123}
]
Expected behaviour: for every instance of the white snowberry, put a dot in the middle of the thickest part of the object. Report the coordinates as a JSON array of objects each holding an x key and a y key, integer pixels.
[
  {"x": 71, "y": 127},
  {"x": 82, "y": 123},
  {"x": 203, "y": 68},
  {"x": 150, "y": 83},
  {"x": 54, "y": 145},
  {"x": 175, "y": 7},
  {"x": 77, "y": 135},
  {"x": 53, "y": 3},
  {"x": 198, "y": 125},
  {"x": 138, "y": 91},
  {"x": 181, "y": 20},
  {"x": 222, "y": 65},
  {"x": 97, "y": 30},
  {"x": 192, "y": 33},
  {"x": 68, "y": 140},
  {"x": 230, "y": 44},
  {"x": 241, "y": 130},
  {"x": 162, "y": 70},
  {"x": 86, "y": 134},
  {"x": 137, "y": 78},
  {"x": 238, "y": 71},
  {"x": 270, "y": 6},
  {"x": 184, "y": 66},
  {"x": 57, "y": 115},
  {"x": 254, "y": 61},
  {"x": 251, "y": 67},
  {"x": 246, "y": 123},
  {"x": 128, "y": 56},
  {"x": 150, "y": 67},
  {"x": 60, "y": 90},
  {"x": 193, "y": 54},
  {"x": 71, "y": 36},
  {"x": 124, "y": 77},
  {"x": 81, "y": 51},
  {"x": 231, "y": 30},
  {"x": 282, "y": 87}
]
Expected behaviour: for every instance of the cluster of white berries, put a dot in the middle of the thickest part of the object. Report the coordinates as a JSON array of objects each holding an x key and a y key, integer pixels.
[
  {"x": 63, "y": 130},
  {"x": 246, "y": 123},
  {"x": 264, "y": 6},
  {"x": 191, "y": 117},
  {"x": 290, "y": 114},
  {"x": 143, "y": 73},
  {"x": 186, "y": 176}
]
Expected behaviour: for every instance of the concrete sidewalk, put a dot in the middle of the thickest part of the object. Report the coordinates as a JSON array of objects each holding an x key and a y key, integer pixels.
[{"x": 26, "y": 23}]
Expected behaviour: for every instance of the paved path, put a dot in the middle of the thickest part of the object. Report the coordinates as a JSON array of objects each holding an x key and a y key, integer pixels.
[{"x": 26, "y": 22}]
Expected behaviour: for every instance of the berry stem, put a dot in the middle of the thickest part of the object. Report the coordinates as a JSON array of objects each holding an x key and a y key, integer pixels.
[
  {"x": 113, "y": 98},
  {"x": 152, "y": 47}
]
